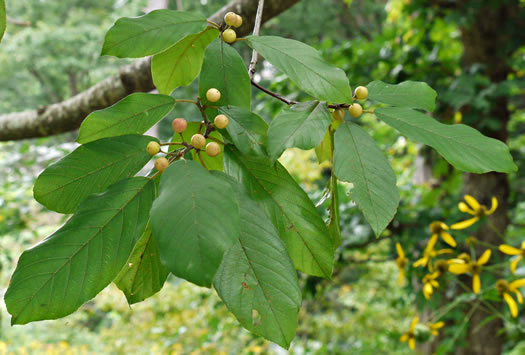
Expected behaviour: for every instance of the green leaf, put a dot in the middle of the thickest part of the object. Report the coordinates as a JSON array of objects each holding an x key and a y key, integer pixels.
[
  {"x": 305, "y": 67},
  {"x": 150, "y": 34},
  {"x": 143, "y": 275},
  {"x": 134, "y": 114},
  {"x": 256, "y": 279},
  {"x": 246, "y": 129},
  {"x": 358, "y": 160},
  {"x": 56, "y": 276},
  {"x": 195, "y": 220},
  {"x": 181, "y": 64},
  {"x": 324, "y": 150},
  {"x": 462, "y": 146},
  {"x": 414, "y": 94},
  {"x": 291, "y": 211},
  {"x": 224, "y": 69},
  {"x": 2, "y": 19},
  {"x": 90, "y": 168},
  {"x": 302, "y": 125},
  {"x": 212, "y": 163}
]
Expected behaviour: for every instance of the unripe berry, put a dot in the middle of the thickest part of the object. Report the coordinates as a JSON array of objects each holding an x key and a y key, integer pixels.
[
  {"x": 213, "y": 149},
  {"x": 179, "y": 125},
  {"x": 213, "y": 95},
  {"x": 339, "y": 115},
  {"x": 221, "y": 121},
  {"x": 229, "y": 36},
  {"x": 238, "y": 21},
  {"x": 361, "y": 93},
  {"x": 198, "y": 141},
  {"x": 230, "y": 18},
  {"x": 153, "y": 148},
  {"x": 355, "y": 110},
  {"x": 161, "y": 164}
]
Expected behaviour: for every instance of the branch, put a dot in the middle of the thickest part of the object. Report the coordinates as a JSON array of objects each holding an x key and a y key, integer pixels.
[
  {"x": 136, "y": 77},
  {"x": 18, "y": 22},
  {"x": 256, "y": 28}
]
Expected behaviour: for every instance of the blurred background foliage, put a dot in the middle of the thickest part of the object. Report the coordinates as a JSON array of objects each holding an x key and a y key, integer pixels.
[{"x": 362, "y": 310}]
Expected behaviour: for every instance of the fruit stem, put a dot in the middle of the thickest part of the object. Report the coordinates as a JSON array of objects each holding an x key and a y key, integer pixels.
[
  {"x": 200, "y": 158},
  {"x": 213, "y": 24},
  {"x": 186, "y": 100},
  {"x": 215, "y": 140},
  {"x": 175, "y": 143}
]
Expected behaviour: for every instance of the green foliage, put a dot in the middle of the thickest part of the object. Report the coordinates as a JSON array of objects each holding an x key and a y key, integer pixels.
[
  {"x": 269, "y": 300},
  {"x": 358, "y": 160},
  {"x": 195, "y": 220},
  {"x": 460, "y": 145},
  {"x": 302, "y": 125},
  {"x": 144, "y": 274},
  {"x": 134, "y": 114},
  {"x": 181, "y": 64},
  {"x": 292, "y": 212},
  {"x": 224, "y": 70},
  {"x": 150, "y": 34},
  {"x": 304, "y": 66},
  {"x": 244, "y": 231},
  {"x": 246, "y": 129},
  {"x": 406, "y": 94},
  {"x": 89, "y": 169},
  {"x": 74, "y": 264}
]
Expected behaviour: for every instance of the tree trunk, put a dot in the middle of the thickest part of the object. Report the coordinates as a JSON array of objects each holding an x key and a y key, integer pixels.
[{"x": 484, "y": 39}]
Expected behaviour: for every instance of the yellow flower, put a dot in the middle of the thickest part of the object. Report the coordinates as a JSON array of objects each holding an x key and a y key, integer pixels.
[
  {"x": 441, "y": 266},
  {"x": 510, "y": 250},
  {"x": 504, "y": 288},
  {"x": 410, "y": 336},
  {"x": 434, "y": 327},
  {"x": 440, "y": 228},
  {"x": 459, "y": 266},
  {"x": 475, "y": 209},
  {"x": 429, "y": 283},
  {"x": 401, "y": 262},
  {"x": 429, "y": 253}
]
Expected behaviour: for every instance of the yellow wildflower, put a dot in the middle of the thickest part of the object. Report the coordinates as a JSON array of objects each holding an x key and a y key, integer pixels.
[
  {"x": 438, "y": 228},
  {"x": 410, "y": 336},
  {"x": 434, "y": 327},
  {"x": 429, "y": 283},
  {"x": 458, "y": 266},
  {"x": 429, "y": 253},
  {"x": 441, "y": 266},
  {"x": 510, "y": 250},
  {"x": 401, "y": 262},
  {"x": 504, "y": 289},
  {"x": 475, "y": 209}
]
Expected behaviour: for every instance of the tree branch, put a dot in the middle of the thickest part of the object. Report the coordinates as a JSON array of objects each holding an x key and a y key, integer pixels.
[
  {"x": 256, "y": 28},
  {"x": 136, "y": 77}
]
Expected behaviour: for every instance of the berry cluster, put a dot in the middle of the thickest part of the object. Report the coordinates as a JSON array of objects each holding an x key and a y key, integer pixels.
[
  {"x": 232, "y": 20},
  {"x": 197, "y": 141}
]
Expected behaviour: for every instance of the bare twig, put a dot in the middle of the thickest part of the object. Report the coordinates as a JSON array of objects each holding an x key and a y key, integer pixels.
[
  {"x": 256, "y": 28},
  {"x": 273, "y": 94},
  {"x": 18, "y": 22}
]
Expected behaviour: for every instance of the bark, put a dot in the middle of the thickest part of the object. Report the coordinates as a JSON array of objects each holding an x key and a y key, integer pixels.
[
  {"x": 483, "y": 44},
  {"x": 136, "y": 77}
]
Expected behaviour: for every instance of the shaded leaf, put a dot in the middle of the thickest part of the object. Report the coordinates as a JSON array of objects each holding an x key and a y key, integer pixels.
[
  {"x": 135, "y": 37},
  {"x": 90, "y": 168},
  {"x": 181, "y": 64},
  {"x": 134, "y": 114},
  {"x": 257, "y": 275},
  {"x": 195, "y": 220},
  {"x": 358, "y": 160},
  {"x": 305, "y": 66},
  {"x": 56, "y": 276},
  {"x": 3, "y": 19},
  {"x": 302, "y": 125},
  {"x": 246, "y": 129},
  {"x": 291, "y": 211},
  {"x": 461, "y": 145},
  {"x": 414, "y": 94},
  {"x": 143, "y": 275}
]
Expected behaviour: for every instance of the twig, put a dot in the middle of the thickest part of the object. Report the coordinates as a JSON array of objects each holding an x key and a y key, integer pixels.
[
  {"x": 18, "y": 22},
  {"x": 256, "y": 28}
]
